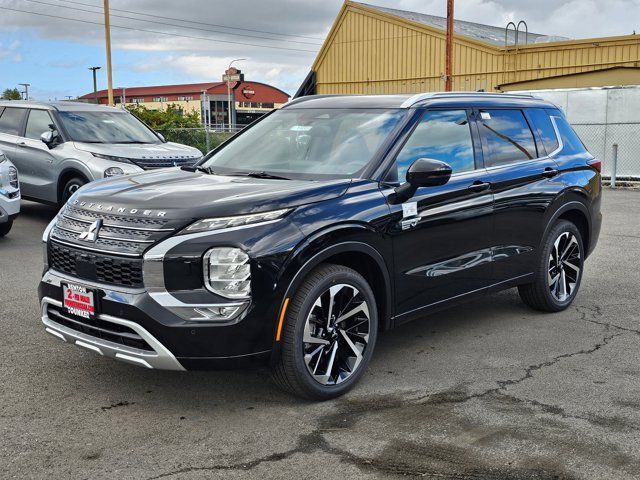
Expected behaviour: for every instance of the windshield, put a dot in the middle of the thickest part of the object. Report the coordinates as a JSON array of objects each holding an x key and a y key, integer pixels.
[
  {"x": 106, "y": 127},
  {"x": 308, "y": 143}
]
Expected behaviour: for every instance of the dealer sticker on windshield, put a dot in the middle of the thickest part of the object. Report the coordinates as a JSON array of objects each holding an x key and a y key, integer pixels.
[{"x": 78, "y": 300}]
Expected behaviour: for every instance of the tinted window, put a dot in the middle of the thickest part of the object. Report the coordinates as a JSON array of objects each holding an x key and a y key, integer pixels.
[
  {"x": 11, "y": 120},
  {"x": 442, "y": 135},
  {"x": 106, "y": 127},
  {"x": 38, "y": 123},
  {"x": 571, "y": 143},
  {"x": 542, "y": 124},
  {"x": 507, "y": 137}
]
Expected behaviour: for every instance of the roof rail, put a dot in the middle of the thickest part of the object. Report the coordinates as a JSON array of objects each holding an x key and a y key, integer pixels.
[
  {"x": 420, "y": 97},
  {"x": 295, "y": 101}
]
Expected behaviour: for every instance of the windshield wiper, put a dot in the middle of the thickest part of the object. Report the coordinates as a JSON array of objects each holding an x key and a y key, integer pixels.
[
  {"x": 198, "y": 168},
  {"x": 269, "y": 176}
]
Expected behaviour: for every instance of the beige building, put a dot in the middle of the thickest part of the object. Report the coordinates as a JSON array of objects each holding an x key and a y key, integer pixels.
[{"x": 373, "y": 49}]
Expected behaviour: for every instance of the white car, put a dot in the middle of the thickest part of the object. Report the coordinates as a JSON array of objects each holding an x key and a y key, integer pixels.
[{"x": 9, "y": 194}]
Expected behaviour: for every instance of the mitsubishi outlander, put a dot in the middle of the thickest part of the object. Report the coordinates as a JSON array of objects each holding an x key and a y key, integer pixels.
[{"x": 328, "y": 221}]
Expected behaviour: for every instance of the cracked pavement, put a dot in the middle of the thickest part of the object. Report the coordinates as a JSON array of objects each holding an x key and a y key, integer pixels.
[{"x": 487, "y": 390}]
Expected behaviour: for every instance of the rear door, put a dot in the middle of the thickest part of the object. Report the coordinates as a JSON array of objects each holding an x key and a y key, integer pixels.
[
  {"x": 442, "y": 236},
  {"x": 38, "y": 165},
  {"x": 522, "y": 177},
  {"x": 11, "y": 124}
]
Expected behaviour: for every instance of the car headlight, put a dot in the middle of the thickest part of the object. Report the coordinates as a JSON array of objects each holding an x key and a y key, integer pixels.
[
  {"x": 227, "y": 272},
  {"x": 113, "y": 172},
  {"x": 236, "y": 221},
  {"x": 111, "y": 158},
  {"x": 13, "y": 177}
]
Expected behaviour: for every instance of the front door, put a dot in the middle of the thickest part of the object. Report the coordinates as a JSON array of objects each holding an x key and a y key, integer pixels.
[
  {"x": 442, "y": 236},
  {"x": 39, "y": 173}
]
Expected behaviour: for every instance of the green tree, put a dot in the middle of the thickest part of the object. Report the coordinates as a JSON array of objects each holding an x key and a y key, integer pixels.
[
  {"x": 11, "y": 94},
  {"x": 171, "y": 117}
]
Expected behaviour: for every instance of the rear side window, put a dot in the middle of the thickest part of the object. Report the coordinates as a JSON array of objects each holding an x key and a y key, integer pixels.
[
  {"x": 38, "y": 123},
  {"x": 11, "y": 120},
  {"x": 442, "y": 135},
  {"x": 506, "y": 137},
  {"x": 544, "y": 128},
  {"x": 571, "y": 143}
]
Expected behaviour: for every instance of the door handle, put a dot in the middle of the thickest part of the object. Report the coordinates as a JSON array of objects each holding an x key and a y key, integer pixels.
[
  {"x": 550, "y": 172},
  {"x": 479, "y": 186},
  {"x": 22, "y": 144}
]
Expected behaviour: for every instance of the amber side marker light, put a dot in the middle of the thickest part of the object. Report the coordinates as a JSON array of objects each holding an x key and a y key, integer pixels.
[{"x": 281, "y": 319}]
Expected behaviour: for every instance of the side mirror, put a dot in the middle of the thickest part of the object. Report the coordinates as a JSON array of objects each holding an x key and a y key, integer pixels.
[
  {"x": 49, "y": 138},
  {"x": 424, "y": 172}
]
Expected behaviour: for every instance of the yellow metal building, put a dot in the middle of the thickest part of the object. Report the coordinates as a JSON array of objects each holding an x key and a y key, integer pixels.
[{"x": 376, "y": 50}]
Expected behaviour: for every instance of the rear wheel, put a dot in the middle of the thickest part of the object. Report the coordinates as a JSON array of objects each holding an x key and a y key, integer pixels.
[
  {"x": 5, "y": 228},
  {"x": 70, "y": 188},
  {"x": 559, "y": 271},
  {"x": 330, "y": 331}
]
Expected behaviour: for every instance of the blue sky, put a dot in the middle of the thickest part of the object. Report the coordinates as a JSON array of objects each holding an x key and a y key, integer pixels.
[{"x": 53, "y": 55}]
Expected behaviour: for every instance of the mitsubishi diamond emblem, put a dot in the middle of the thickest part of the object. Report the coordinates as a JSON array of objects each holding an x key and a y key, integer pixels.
[{"x": 91, "y": 234}]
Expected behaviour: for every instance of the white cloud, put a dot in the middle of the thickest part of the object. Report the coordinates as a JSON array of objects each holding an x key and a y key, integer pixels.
[{"x": 11, "y": 52}]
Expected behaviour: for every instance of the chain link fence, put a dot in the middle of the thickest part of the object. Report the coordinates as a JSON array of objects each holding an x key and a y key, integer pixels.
[{"x": 203, "y": 139}]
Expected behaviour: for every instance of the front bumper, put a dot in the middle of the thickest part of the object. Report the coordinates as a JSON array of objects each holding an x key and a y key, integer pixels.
[
  {"x": 175, "y": 343},
  {"x": 9, "y": 205}
]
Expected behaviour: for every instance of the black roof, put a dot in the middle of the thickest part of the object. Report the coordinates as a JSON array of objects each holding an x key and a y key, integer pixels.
[{"x": 442, "y": 99}]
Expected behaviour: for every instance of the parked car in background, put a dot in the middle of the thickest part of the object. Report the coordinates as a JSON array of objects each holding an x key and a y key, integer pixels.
[
  {"x": 9, "y": 194},
  {"x": 58, "y": 147},
  {"x": 322, "y": 224}
]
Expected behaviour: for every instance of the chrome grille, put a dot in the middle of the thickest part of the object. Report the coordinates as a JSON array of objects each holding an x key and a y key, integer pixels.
[
  {"x": 122, "y": 235},
  {"x": 151, "y": 163}
]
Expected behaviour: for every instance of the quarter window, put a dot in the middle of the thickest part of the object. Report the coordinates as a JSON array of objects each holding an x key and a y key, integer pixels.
[
  {"x": 443, "y": 135},
  {"x": 571, "y": 143},
  {"x": 11, "y": 120},
  {"x": 546, "y": 132},
  {"x": 507, "y": 137},
  {"x": 38, "y": 123}
]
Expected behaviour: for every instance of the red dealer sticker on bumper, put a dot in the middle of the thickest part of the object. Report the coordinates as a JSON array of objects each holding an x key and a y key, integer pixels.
[{"x": 78, "y": 300}]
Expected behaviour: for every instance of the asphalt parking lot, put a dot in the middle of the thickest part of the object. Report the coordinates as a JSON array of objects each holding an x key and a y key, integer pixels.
[{"x": 489, "y": 390}]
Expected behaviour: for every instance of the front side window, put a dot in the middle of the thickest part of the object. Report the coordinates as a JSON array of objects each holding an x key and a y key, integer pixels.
[
  {"x": 106, "y": 127},
  {"x": 507, "y": 137},
  {"x": 11, "y": 120},
  {"x": 308, "y": 143},
  {"x": 38, "y": 123},
  {"x": 443, "y": 135}
]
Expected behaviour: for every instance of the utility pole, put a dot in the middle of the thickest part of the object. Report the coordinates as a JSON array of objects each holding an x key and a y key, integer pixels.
[
  {"x": 229, "y": 87},
  {"x": 26, "y": 89},
  {"x": 95, "y": 83},
  {"x": 107, "y": 39},
  {"x": 448, "y": 85}
]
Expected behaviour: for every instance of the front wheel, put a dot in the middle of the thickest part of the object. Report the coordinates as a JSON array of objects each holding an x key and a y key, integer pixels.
[
  {"x": 559, "y": 270},
  {"x": 70, "y": 188},
  {"x": 6, "y": 228},
  {"x": 329, "y": 333}
]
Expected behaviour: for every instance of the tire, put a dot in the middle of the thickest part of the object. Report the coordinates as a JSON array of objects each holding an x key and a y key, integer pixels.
[
  {"x": 70, "y": 188},
  {"x": 556, "y": 281},
  {"x": 306, "y": 318},
  {"x": 5, "y": 228}
]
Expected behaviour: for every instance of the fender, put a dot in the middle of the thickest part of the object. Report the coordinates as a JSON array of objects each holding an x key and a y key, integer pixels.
[
  {"x": 317, "y": 257},
  {"x": 565, "y": 207}
]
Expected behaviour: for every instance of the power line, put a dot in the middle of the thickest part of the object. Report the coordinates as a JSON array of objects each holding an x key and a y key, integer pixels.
[
  {"x": 197, "y": 22},
  {"x": 157, "y": 32},
  {"x": 165, "y": 23}
]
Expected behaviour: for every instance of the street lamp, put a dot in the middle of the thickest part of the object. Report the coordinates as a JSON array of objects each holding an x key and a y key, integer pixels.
[
  {"x": 229, "y": 87},
  {"x": 95, "y": 83},
  {"x": 26, "y": 89}
]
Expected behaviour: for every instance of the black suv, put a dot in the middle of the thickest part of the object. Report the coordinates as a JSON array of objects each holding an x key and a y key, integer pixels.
[{"x": 326, "y": 222}]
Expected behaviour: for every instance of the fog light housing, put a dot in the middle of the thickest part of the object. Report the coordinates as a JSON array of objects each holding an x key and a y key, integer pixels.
[
  {"x": 220, "y": 313},
  {"x": 113, "y": 172},
  {"x": 227, "y": 272}
]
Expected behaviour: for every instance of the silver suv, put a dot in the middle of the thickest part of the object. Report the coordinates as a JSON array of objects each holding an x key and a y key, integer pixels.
[{"x": 58, "y": 147}]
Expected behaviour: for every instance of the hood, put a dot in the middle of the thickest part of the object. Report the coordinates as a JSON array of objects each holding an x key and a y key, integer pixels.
[
  {"x": 168, "y": 150},
  {"x": 185, "y": 195}
]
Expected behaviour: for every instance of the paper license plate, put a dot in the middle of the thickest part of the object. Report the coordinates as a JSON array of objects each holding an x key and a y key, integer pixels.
[{"x": 78, "y": 300}]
